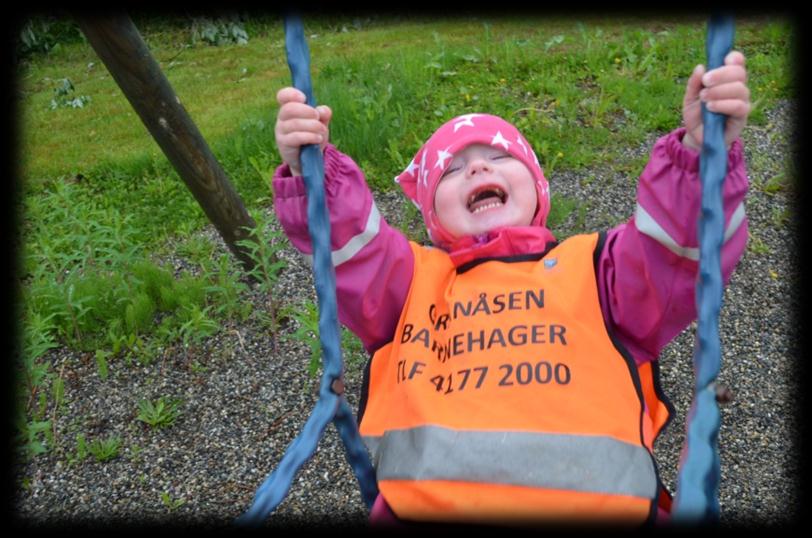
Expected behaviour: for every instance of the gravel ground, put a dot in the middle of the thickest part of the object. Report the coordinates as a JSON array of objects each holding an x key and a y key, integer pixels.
[{"x": 245, "y": 396}]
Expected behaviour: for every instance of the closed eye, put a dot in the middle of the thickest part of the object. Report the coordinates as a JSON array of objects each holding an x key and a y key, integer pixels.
[{"x": 450, "y": 170}]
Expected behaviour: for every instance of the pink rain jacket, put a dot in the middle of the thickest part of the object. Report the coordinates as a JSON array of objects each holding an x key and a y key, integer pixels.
[{"x": 646, "y": 272}]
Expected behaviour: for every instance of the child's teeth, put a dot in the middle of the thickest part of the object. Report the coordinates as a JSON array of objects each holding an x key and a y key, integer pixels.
[{"x": 489, "y": 206}]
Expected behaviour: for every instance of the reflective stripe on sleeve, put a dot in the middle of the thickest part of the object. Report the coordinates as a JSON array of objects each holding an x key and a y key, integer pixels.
[
  {"x": 594, "y": 464},
  {"x": 647, "y": 225},
  {"x": 356, "y": 243}
]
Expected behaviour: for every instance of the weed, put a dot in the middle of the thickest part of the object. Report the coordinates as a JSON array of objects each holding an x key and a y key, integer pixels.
[
  {"x": 33, "y": 437},
  {"x": 37, "y": 339},
  {"x": 64, "y": 96},
  {"x": 757, "y": 246},
  {"x": 306, "y": 316},
  {"x": 40, "y": 35},
  {"x": 160, "y": 414},
  {"x": 776, "y": 183},
  {"x": 104, "y": 449},
  {"x": 354, "y": 354},
  {"x": 263, "y": 246},
  {"x": 198, "y": 368},
  {"x": 216, "y": 32},
  {"x": 225, "y": 291},
  {"x": 197, "y": 325},
  {"x": 135, "y": 454},
  {"x": 560, "y": 209},
  {"x": 170, "y": 503},
  {"x": 57, "y": 397},
  {"x": 81, "y": 452},
  {"x": 197, "y": 249},
  {"x": 307, "y": 332},
  {"x": 780, "y": 217},
  {"x": 101, "y": 363}
]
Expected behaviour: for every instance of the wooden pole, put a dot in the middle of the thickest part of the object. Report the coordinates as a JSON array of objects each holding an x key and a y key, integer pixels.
[{"x": 118, "y": 43}]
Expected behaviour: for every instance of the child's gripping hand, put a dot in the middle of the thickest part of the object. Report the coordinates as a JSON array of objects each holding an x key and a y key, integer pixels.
[
  {"x": 723, "y": 90},
  {"x": 299, "y": 124}
]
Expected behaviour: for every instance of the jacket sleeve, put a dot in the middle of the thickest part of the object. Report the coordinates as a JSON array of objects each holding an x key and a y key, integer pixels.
[
  {"x": 647, "y": 271},
  {"x": 373, "y": 261}
]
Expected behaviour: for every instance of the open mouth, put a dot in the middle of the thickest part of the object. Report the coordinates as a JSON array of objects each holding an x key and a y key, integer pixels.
[{"x": 485, "y": 198}]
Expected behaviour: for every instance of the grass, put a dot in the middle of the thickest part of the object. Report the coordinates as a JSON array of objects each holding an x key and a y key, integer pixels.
[{"x": 101, "y": 205}]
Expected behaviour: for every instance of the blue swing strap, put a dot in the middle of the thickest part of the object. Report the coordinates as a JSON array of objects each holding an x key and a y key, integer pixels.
[
  {"x": 696, "y": 499},
  {"x": 331, "y": 405}
]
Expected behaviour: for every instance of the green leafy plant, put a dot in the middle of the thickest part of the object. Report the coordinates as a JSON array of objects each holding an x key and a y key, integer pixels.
[
  {"x": 216, "y": 32},
  {"x": 64, "y": 96},
  {"x": 37, "y": 340},
  {"x": 225, "y": 290},
  {"x": 104, "y": 449},
  {"x": 46, "y": 34},
  {"x": 33, "y": 437},
  {"x": 170, "y": 503},
  {"x": 101, "y": 363},
  {"x": 560, "y": 209},
  {"x": 263, "y": 246},
  {"x": 307, "y": 332},
  {"x": 81, "y": 452},
  {"x": 197, "y": 325},
  {"x": 160, "y": 414}
]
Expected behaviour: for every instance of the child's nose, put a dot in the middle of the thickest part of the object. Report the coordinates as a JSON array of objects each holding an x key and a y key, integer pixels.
[{"x": 478, "y": 166}]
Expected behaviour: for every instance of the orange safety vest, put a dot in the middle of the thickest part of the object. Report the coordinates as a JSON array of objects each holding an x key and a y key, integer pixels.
[{"x": 502, "y": 396}]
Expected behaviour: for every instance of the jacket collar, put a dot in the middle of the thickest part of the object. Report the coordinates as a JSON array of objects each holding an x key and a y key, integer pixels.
[{"x": 501, "y": 242}]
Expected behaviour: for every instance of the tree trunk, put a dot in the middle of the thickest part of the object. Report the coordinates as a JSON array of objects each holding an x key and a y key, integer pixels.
[{"x": 118, "y": 43}]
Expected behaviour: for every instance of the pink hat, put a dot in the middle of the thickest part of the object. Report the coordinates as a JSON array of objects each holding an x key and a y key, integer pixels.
[{"x": 420, "y": 179}]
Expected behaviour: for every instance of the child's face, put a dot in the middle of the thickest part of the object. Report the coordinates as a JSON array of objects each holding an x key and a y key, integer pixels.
[{"x": 484, "y": 188}]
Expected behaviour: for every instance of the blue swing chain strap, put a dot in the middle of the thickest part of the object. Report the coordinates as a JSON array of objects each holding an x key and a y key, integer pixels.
[
  {"x": 331, "y": 406},
  {"x": 696, "y": 498}
]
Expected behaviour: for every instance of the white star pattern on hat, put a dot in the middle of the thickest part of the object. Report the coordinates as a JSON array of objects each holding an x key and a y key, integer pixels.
[
  {"x": 519, "y": 141},
  {"x": 442, "y": 155},
  {"x": 423, "y": 172},
  {"x": 465, "y": 120},
  {"x": 499, "y": 139},
  {"x": 411, "y": 168}
]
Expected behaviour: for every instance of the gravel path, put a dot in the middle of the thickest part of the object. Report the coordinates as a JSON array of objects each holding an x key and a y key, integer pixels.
[{"x": 245, "y": 397}]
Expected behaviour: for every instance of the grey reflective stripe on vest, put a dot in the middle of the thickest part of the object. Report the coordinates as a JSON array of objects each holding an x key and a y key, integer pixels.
[
  {"x": 357, "y": 242},
  {"x": 650, "y": 227},
  {"x": 584, "y": 463}
]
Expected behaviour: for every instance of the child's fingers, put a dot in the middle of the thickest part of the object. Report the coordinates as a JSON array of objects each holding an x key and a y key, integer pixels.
[
  {"x": 724, "y": 75},
  {"x": 731, "y": 90},
  {"x": 293, "y": 110},
  {"x": 694, "y": 85},
  {"x": 734, "y": 57},
  {"x": 325, "y": 114},
  {"x": 290, "y": 95},
  {"x": 735, "y": 108},
  {"x": 301, "y": 124},
  {"x": 298, "y": 139}
]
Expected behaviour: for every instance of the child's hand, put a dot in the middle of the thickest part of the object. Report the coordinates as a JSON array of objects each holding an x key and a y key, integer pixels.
[
  {"x": 724, "y": 90},
  {"x": 299, "y": 124}
]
